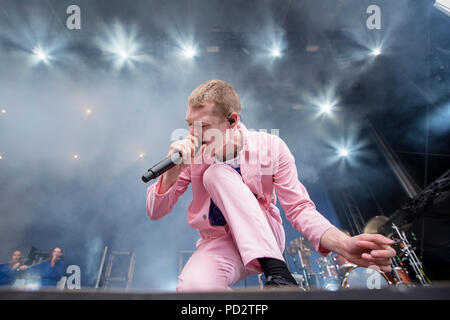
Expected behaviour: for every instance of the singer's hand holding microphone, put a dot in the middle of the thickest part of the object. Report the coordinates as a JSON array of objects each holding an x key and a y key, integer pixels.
[
  {"x": 187, "y": 148},
  {"x": 181, "y": 154}
]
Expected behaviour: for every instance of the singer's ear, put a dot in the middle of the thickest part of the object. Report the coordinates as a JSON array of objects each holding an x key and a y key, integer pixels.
[{"x": 232, "y": 119}]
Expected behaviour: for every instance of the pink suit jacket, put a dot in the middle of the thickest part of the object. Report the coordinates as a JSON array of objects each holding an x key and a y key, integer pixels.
[{"x": 266, "y": 165}]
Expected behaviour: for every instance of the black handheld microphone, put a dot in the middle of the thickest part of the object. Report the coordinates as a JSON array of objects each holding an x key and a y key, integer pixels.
[{"x": 162, "y": 166}]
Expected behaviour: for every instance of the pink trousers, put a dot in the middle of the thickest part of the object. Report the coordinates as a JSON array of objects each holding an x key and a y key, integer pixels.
[{"x": 222, "y": 261}]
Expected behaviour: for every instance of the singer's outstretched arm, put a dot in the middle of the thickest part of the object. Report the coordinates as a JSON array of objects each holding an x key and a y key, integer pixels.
[
  {"x": 363, "y": 250},
  {"x": 300, "y": 210}
]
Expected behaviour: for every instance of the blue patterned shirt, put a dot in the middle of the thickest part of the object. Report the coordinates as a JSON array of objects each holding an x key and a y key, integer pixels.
[{"x": 216, "y": 217}]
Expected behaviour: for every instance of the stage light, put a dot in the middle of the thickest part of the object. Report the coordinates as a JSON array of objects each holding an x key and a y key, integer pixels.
[
  {"x": 120, "y": 45},
  {"x": 443, "y": 5},
  {"x": 348, "y": 147},
  {"x": 123, "y": 54},
  {"x": 40, "y": 54},
  {"x": 275, "y": 52},
  {"x": 344, "y": 152},
  {"x": 186, "y": 47},
  {"x": 324, "y": 103},
  {"x": 189, "y": 52},
  {"x": 326, "y": 108}
]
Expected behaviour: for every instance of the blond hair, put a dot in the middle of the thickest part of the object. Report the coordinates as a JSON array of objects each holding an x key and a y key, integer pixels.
[{"x": 225, "y": 98}]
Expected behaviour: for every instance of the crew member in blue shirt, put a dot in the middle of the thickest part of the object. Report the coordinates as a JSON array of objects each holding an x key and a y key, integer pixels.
[
  {"x": 10, "y": 270},
  {"x": 50, "y": 270}
]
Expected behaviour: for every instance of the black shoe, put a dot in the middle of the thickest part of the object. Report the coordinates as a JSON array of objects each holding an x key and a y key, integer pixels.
[{"x": 278, "y": 281}]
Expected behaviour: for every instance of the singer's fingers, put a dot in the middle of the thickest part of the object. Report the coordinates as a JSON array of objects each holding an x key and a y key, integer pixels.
[
  {"x": 184, "y": 151},
  {"x": 190, "y": 146},
  {"x": 195, "y": 141},
  {"x": 376, "y": 238},
  {"x": 186, "y": 147},
  {"x": 186, "y": 143},
  {"x": 178, "y": 148}
]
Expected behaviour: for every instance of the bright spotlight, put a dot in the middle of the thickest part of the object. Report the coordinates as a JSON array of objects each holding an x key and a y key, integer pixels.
[
  {"x": 275, "y": 52},
  {"x": 123, "y": 54},
  {"x": 121, "y": 46},
  {"x": 443, "y": 5},
  {"x": 348, "y": 149},
  {"x": 326, "y": 108},
  {"x": 88, "y": 111},
  {"x": 376, "y": 51},
  {"x": 40, "y": 54},
  {"x": 189, "y": 52},
  {"x": 3, "y": 111},
  {"x": 344, "y": 152},
  {"x": 75, "y": 156},
  {"x": 141, "y": 155}
]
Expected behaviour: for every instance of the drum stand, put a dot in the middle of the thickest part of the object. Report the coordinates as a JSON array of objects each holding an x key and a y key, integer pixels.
[
  {"x": 303, "y": 267},
  {"x": 394, "y": 267},
  {"x": 415, "y": 263}
]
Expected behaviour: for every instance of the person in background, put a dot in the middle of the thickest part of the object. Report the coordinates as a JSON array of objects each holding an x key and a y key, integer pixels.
[
  {"x": 50, "y": 270},
  {"x": 10, "y": 270}
]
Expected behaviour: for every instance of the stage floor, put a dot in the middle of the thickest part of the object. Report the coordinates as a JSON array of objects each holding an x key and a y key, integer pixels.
[{"x": 439, "y": 291}]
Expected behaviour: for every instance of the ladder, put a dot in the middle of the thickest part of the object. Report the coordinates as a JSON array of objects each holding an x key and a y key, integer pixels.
[{"x": 119, "y": 270}]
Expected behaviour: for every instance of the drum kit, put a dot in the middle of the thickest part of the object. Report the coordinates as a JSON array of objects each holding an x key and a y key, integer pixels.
[{"x": 336, "y": 273}]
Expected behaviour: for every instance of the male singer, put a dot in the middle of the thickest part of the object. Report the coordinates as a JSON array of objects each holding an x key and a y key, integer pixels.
[{"x": 234, "y": 176}]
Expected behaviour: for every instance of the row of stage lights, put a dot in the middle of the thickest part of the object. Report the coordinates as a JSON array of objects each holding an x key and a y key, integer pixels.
[{"x": 124, "y": 55}]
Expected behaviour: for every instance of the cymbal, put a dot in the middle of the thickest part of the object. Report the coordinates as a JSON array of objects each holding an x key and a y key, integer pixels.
[{"x": 374, "y": 223}]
